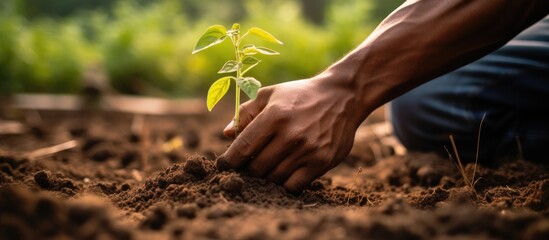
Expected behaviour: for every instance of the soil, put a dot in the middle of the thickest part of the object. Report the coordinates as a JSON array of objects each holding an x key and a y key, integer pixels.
[{"x": 161, "y": 180}]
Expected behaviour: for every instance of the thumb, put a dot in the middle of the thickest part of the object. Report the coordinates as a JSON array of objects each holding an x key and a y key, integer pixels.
[
  {"x": 229, "y": 129},
  {"x": 248, "y": 111}
]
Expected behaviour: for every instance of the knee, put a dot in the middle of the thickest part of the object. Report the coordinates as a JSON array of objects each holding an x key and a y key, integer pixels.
[
  {"x": 403, "y": 114},
  {"x": 423, "y": 118}
]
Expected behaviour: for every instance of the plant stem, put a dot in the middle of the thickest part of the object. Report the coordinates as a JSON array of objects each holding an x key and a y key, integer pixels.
[
  {"x": 236, "y": 43},
  {"x": 237, "y": 111}
]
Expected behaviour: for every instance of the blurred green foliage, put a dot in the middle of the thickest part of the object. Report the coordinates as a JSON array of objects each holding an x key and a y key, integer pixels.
[{"x": 144, "y": 46}]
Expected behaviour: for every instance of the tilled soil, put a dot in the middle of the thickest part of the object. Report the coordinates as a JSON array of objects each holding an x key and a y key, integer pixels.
[{"x": 150, "y": 177}]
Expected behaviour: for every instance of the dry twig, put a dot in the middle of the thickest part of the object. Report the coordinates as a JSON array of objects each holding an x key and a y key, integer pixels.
[
  {"x": 50, "y": 150},
  {"x": 353, "y": 185},
  {"x": 470, "y": 182}
]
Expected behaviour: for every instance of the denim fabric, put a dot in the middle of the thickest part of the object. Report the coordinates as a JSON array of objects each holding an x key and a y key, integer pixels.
[{"x": 510, "y": 86}]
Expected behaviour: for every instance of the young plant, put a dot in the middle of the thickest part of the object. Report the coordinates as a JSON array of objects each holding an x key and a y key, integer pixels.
[{"x": 245, "y": 60}]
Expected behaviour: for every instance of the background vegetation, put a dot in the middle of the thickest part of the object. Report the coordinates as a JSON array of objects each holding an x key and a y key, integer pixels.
[{"x": 144, "y": 46}]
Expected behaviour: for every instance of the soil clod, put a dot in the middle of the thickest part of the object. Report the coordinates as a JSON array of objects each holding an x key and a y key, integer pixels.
[
  {"x": 221, "y": 164},
  {"x": 231, "y": 184},
  {"x": 189, "y": 211},
  {"x": 156, "y": 219},
  {"x": 195, "y": 167},
  {"x": 42, "y": 178}
]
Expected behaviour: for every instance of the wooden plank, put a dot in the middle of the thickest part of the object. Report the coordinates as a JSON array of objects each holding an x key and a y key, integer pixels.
[
  {"x": 118, "y": 103},
  {"x": 11, "y": 127}
]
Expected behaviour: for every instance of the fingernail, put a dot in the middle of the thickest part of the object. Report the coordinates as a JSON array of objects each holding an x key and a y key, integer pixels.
[{"x": 229, "y": 127}]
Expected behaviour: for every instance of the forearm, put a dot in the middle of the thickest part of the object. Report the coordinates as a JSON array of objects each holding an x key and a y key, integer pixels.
[{"x": 426, "y": 38}]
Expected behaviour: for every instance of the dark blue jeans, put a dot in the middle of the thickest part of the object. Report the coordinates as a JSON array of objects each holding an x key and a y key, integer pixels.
[{"x": 510, "y": 86}]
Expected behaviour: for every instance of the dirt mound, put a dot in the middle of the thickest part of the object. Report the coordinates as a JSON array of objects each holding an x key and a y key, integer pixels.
[
  {"x": 27, "y": 215},
  {"x": 199, "y": 181},
  {"x": 119, "y": 183}
]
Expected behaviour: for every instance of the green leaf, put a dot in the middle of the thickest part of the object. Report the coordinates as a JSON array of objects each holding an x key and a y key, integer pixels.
[
  {"x": 251, "y": 49},
  {"x": 263, "y": 34},
  {"x": 235, "y": 26},
  {"x": 248, "y": 60},
  {"x": 249, "y": 85},
  {"x": 230, "y": 66},
  {"x": 248, "y": 63},
  {"x": 213, "y": 35},
  {"x": 217, "y": 90},
  {"x": 267, "y": 51}
]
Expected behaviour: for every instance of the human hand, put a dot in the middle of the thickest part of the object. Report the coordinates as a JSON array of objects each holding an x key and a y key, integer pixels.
[{"x": 294, "y": 132}]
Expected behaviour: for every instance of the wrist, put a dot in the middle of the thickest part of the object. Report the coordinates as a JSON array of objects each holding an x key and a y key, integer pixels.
[{"x": 340, "y": 82}]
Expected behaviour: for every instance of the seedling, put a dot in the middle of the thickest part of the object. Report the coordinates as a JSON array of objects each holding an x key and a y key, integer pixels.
[{"x": 245, "y": 60}]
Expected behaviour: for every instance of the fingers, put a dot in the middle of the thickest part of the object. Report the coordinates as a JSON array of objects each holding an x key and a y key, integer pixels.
[
  {"x": 284, "y": 169},
  {"x": 301, "y": 178},
  {"x": 266, "y": 160},
  {"x": 248, "y": 111},
  {"x": 249, "y": 143},
  {"x": 297, "y": 172}
]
